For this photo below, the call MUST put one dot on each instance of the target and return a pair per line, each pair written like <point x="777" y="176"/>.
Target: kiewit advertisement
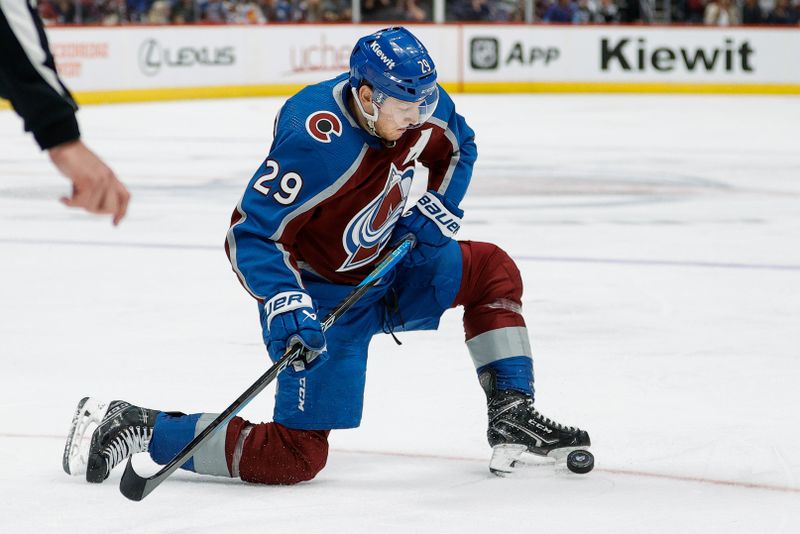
<point x="639" y="54"/>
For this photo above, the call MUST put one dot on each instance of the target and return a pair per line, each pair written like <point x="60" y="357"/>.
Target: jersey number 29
<point x="289" y="187"/>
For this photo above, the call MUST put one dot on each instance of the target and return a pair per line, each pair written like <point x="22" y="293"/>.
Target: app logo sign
<point x="484" y="53"/>
<point x="488" y="53"/>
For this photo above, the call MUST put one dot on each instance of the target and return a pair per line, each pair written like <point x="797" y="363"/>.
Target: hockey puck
<point x="580" y="461"/>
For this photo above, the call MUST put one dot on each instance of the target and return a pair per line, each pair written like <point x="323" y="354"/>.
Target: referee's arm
<point x="28" y="77"/>
<point x="29" y="80"/>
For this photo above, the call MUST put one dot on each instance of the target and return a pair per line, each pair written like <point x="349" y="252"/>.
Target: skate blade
<point x="505" y="458"/>
<point x="508" y="459"/>
<point x="88" y="415"/>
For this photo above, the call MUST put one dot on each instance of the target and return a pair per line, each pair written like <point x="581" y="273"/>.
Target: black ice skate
<point x="120" y="431"/>
<point x="516" y="428"/>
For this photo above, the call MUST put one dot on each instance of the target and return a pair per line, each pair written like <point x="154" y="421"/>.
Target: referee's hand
<point x="95" y="188"/>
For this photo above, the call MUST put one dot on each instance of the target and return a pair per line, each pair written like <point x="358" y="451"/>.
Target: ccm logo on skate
<point x="448" y="223"/>
<point x="286" y="301"/>
<point x="322" y="125"/>
<point x="539" y="426"/>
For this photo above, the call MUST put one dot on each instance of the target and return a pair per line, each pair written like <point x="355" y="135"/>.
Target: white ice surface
<point x="659" y="241"/>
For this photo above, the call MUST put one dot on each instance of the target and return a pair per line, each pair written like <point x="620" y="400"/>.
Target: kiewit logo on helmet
<point x="383" y="57"/>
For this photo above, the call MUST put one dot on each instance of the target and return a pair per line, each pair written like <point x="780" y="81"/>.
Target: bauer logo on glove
<point x="286" y="301"/>
<point x="432" y="207"/>
<point x="433" y="221"/>
<point x="292" y="319"/>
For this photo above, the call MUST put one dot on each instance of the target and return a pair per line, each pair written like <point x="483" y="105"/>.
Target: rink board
<point x="181" y="62"/>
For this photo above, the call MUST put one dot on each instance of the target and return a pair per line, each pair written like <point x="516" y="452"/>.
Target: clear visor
<point x="407" y="114"/>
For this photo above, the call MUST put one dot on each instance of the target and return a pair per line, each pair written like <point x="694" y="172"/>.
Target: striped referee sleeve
<point x="28" y="76"/>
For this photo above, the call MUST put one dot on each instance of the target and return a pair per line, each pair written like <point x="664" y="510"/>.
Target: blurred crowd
<point x="711" y="12"/>
<point x="111" y="12"/>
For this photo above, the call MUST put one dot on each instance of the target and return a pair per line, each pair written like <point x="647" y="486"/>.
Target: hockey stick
<point x="136" y="487"/>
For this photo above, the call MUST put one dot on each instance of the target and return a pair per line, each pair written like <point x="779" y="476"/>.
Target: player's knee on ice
<point x="270" y="453"/>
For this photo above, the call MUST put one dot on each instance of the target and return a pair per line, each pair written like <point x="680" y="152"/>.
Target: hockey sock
<point x="173" y="431"/>
<point x="514" y="373"/>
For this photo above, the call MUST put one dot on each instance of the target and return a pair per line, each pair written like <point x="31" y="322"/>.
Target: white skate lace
<point x="128" y="442"/>
<point x="548" y="421"/>
<point x="534" y="413"/>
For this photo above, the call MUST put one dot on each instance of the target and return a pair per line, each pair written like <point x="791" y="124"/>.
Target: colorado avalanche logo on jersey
<point x="368" y="232"/>
<point x="322" y="125"/>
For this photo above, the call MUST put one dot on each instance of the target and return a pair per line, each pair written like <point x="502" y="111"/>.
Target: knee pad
<point x="491" y="289"/>
<point x="270" y="453"/>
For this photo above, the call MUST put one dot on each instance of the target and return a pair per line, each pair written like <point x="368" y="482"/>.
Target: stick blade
<point x="133" y="486"/>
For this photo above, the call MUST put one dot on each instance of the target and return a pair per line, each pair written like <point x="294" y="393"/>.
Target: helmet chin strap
<point x="370" y="118"/>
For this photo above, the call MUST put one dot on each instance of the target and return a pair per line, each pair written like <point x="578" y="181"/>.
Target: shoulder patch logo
<point x="323" y="125"/>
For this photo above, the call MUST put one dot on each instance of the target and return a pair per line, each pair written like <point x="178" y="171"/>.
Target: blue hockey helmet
<point x="395" y="64"/>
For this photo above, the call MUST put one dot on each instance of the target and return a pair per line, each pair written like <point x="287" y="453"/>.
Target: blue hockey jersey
<point x="328" y="195"/>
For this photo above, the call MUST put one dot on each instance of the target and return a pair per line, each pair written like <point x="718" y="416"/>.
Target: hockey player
<point x="316" y="216"/>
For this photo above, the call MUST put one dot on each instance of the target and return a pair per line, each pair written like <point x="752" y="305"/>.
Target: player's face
<point x="395" y="117"/>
